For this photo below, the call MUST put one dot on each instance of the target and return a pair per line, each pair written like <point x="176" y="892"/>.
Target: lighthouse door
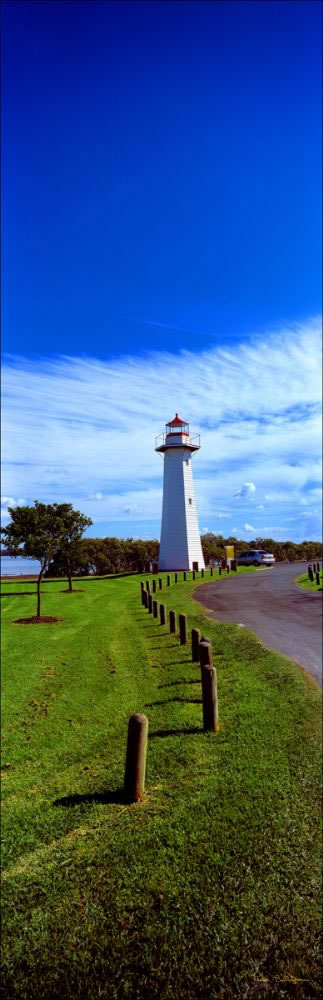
<point x="195" y="566"/>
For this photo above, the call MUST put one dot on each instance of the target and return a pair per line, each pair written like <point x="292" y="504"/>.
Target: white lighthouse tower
<point x="180" y="542"/>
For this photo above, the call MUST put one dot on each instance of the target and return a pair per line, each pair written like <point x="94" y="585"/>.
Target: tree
<point x="69" y="551"/>
<point x="212" y="546"/>
<point x="38" y="532"/>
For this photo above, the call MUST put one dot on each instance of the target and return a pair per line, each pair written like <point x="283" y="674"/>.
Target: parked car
<point x="256" y="557"/>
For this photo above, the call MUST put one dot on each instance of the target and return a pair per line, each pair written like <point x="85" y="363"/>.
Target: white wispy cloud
<point x="246" y="490"/>
<point x="7" y="502"/>
<point x="83" y="430"/>
<point x="11" y="502"/>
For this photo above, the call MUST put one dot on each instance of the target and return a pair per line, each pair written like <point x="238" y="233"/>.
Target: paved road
<point x="284" y="616"/>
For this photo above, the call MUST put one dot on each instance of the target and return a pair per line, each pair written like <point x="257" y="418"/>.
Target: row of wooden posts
<point x="194" y="575"/>
<point x="311" y="570"/>
<point x="138" y="723"/>
<point x="135" y="771"/>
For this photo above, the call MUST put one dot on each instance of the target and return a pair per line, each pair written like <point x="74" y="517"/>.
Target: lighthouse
<point x="180" y="542"/>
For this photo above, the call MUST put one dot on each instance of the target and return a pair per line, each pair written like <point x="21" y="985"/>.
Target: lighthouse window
<point x="187" y="461"/>
<point x="190" y="500"/>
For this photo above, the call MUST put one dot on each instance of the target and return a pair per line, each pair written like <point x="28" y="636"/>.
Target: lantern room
<point x="177" y="426"/>
<point x="177" y="435"/>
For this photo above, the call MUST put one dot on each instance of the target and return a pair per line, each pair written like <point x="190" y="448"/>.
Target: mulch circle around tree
<point x="37" y="620"/>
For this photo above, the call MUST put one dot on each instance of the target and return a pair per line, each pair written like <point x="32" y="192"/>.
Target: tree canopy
<point x="40" y="531"/>
<point x="75" y="524"/>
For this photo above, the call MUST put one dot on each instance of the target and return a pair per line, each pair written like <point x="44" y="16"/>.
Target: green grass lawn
<point x="304" y="582"/>
<point x="209" y="888"/>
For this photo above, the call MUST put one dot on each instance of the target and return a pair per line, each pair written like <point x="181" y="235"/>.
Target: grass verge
<point x="210" y="887"/>
<point x="306" y="584"/>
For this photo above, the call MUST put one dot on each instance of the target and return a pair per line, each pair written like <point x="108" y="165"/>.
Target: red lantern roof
<point x="177" y="421"/>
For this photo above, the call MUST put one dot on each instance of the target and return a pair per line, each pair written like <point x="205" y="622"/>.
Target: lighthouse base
<point x="173" y="567"/>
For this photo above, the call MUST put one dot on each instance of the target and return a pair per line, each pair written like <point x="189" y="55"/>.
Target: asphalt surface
<point x="284" y="616"/>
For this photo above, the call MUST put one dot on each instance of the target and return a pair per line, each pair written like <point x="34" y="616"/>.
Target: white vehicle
<point x="256" y="557"/>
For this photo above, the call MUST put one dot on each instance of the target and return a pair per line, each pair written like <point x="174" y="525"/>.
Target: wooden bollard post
<point x="154" y="586"/>
<point x="160" y="584"/>
<point x="162" y="614"/>
<point x="310" y="574"/>
<point x="211" y="570"/>
<point x="184" y="576"/>
<point x="194" y="574"/>
<point x="209" y="696"/>
<point x="172" y="621"/>
<point x="220" y="570"/>
<point x="205" y="654"/>
<point x="168" y="581"/>
<point x="202" y="572"/>
<point x="234" y="565"/>
<point x="134" y="780"/>
<point x="317" y="578"/>
<point x="182" y="630"/>
<point x="142" y="586"/>
<point x="228" y="569"/>
<point x="175" y="577"/>
<point x="144" y="598"/>
<point x="196" y="638"/>
<point x="150" y="604"/>
<point x="148" y="586"/>
<point x="155" y="609"/>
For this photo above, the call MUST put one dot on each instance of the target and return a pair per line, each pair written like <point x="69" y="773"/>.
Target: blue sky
<point x="161" y="207"/>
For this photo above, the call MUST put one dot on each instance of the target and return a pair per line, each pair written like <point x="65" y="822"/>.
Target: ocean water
<point x="19" y="566"/>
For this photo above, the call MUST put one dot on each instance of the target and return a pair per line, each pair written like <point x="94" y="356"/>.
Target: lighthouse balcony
<point x="182" y="440"/>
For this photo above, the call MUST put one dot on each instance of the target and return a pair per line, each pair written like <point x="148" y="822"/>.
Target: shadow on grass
<point x="163" y="635"/>
<point x="169" y="701"/>
<point x="22" y="593"/>
<point x="174" y="645"/>
<point x="105" y="798"/>
<point x="148" y="621"/>
<point x="174" y="663"/>
<point x="181" y="682"/>
<point x="161" y="733"/>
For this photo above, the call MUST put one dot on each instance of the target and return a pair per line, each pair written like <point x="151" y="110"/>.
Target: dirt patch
<point x="76" y="590"/>
<point x="37" y="620"/>
<point x="25" y="578"/>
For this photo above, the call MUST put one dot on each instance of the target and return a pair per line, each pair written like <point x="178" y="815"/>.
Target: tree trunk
<point x="69" y="574"/>
<point x="38" y="590"/>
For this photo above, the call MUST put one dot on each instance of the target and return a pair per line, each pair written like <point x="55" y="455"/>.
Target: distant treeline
<point x="213" y="546"/>
<point x="102" y="556"/>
